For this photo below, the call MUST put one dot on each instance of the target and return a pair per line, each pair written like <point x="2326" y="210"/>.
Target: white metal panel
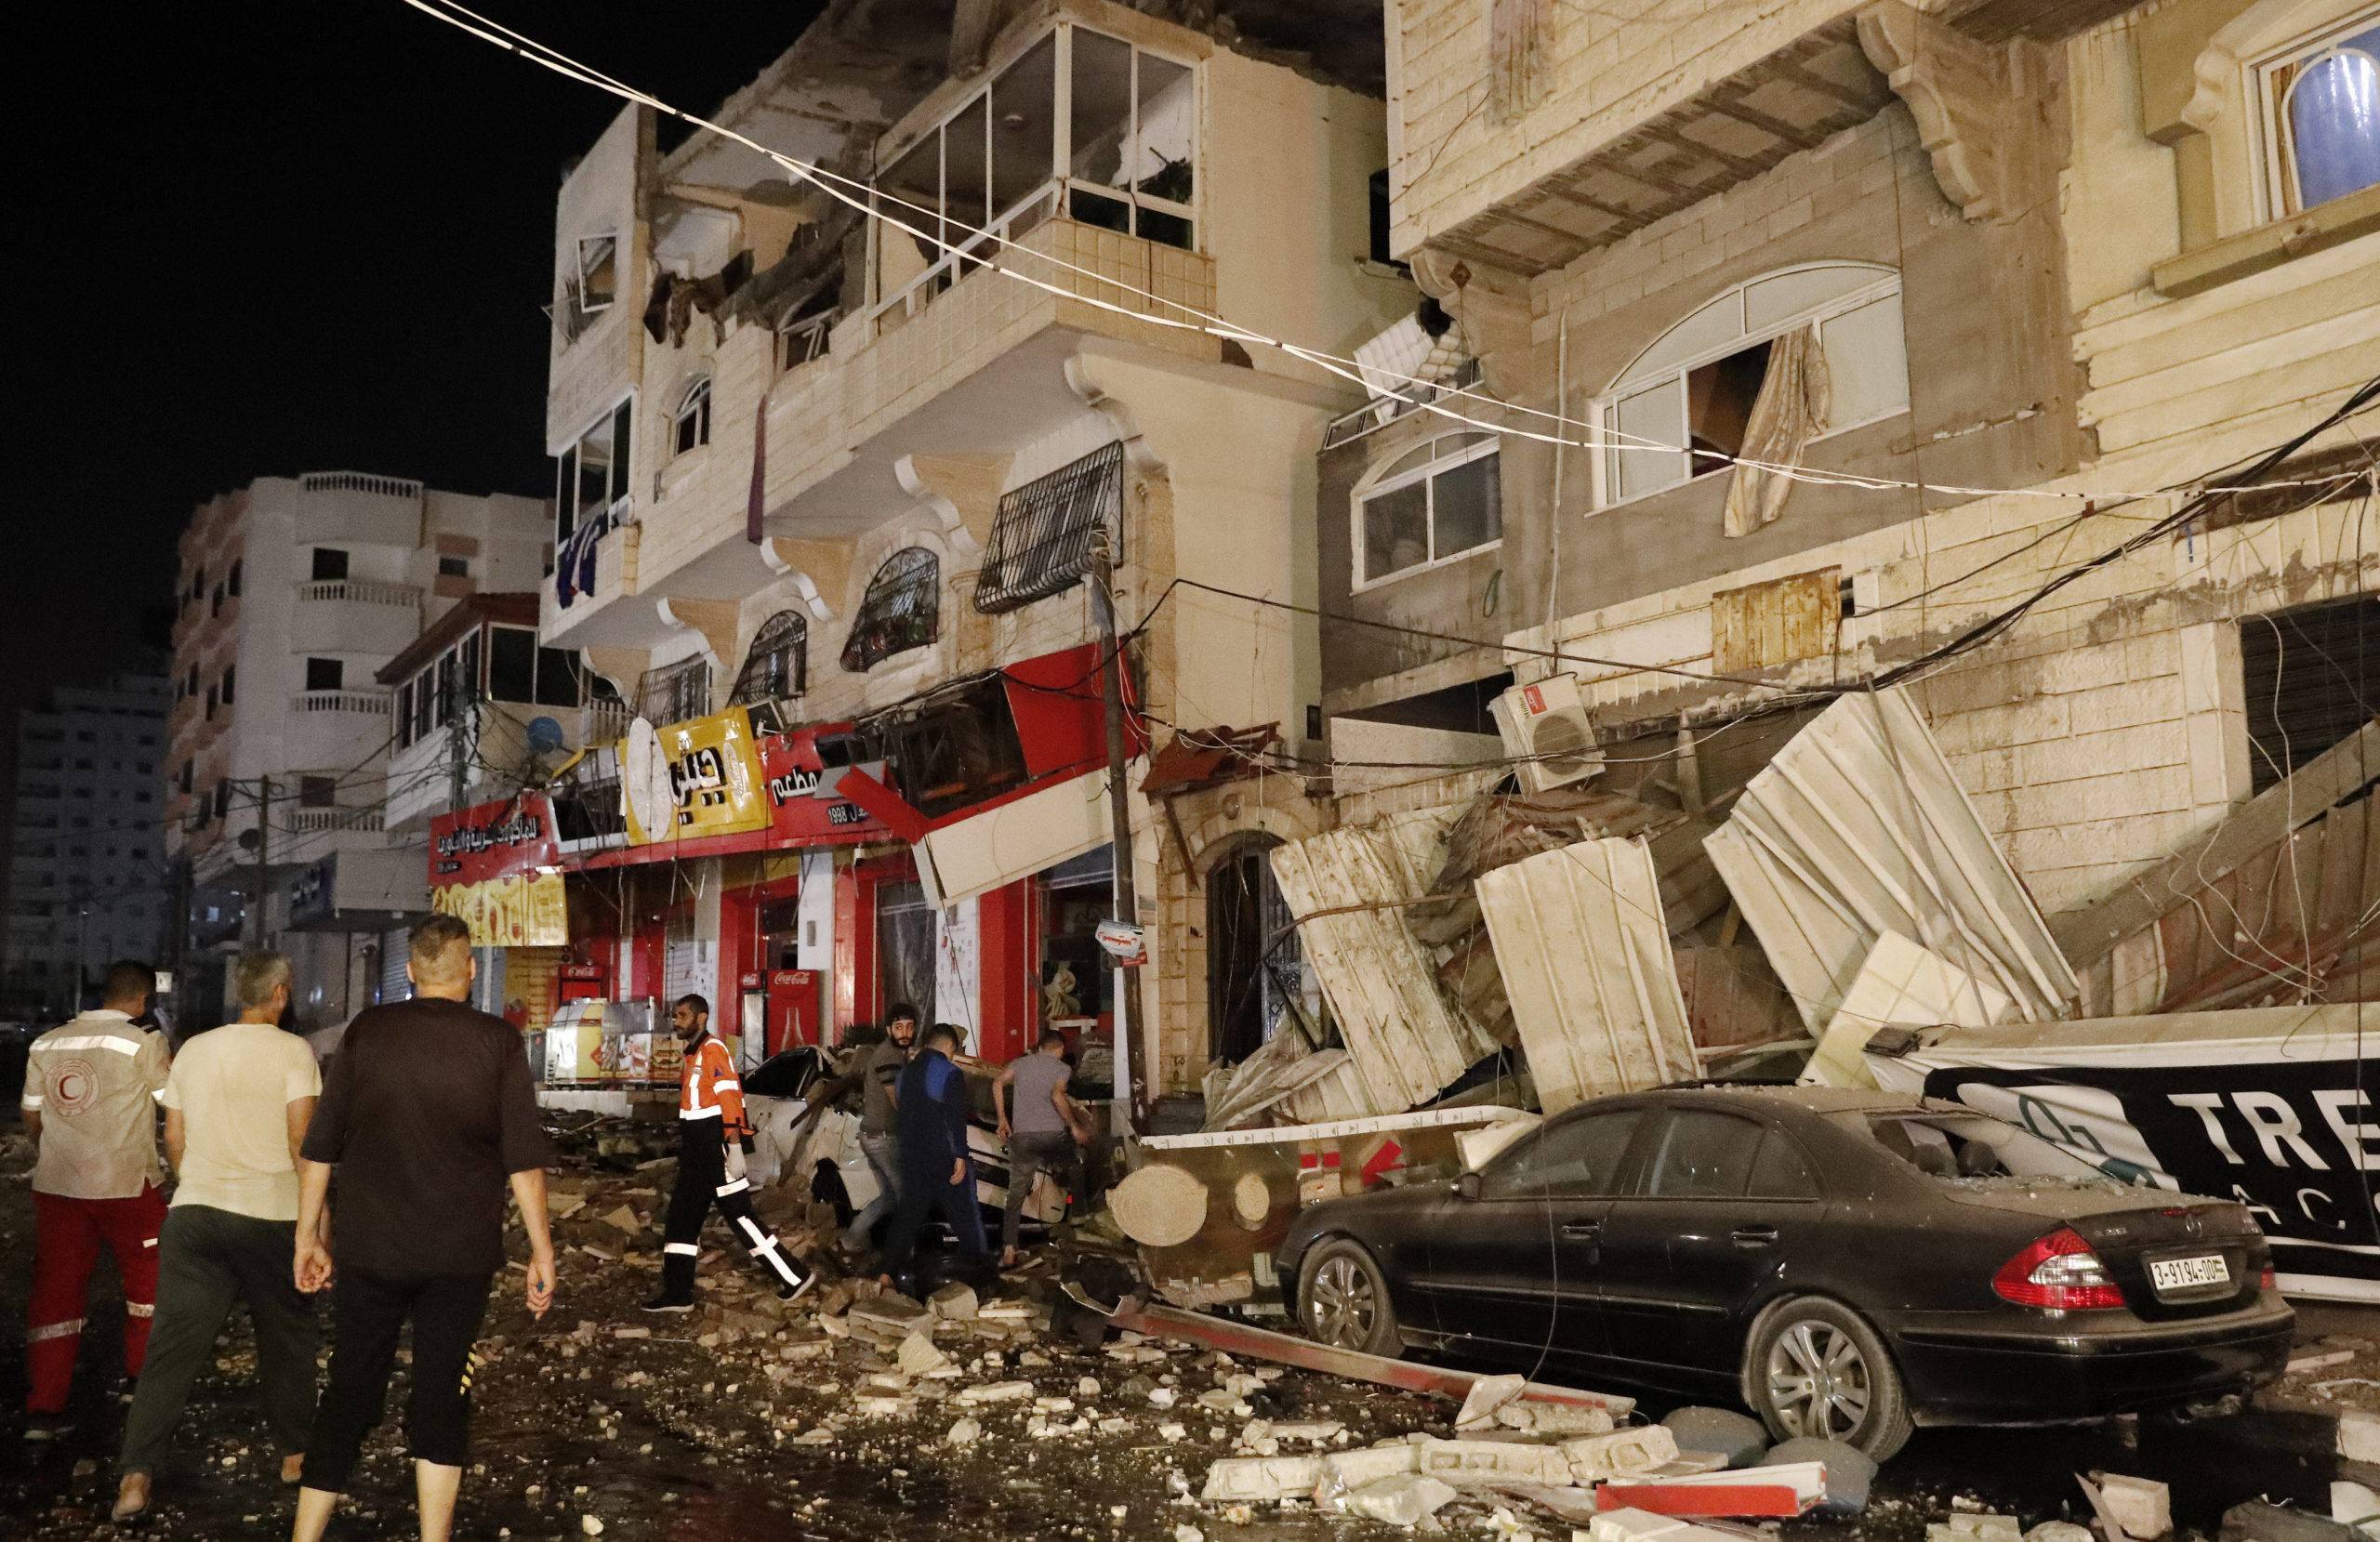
<point x="1900" y="986"/>
<point x="1404" y="1044"/>
<point x="959" y="970"/>
<point x="1858" y="828"/>
<point x="1584" y="951"/>
<point x="814" y="913"/>
<point x="1015" y="840"/>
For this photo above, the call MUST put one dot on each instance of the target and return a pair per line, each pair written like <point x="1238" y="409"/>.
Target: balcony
<point x="333" y="728"/>
<point x="310" y="822"/>
<point x="419" y="780"/>
<point x="350" y="615"/>
<point x="350" y="507"/>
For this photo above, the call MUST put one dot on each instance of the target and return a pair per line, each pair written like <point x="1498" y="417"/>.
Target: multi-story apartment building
<point x="842" y="476"/>
<point x="1809" y="342"/>
<point x="85" y="880"/>
<point x="293" y="594"/>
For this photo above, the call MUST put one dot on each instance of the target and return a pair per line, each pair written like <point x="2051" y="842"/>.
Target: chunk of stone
<point x="918" y="1356"/>
<point x="996" y="1392"/>
<point x="1850" y="1472"/>
<point x="1488" y="1395"/>
<point x="1622" y="1454"/>
<point x="955" y="1302"/>
<point x="1723" y="1431"/>
<point x="2140" y="1505"/>
<point x="1406" y="1499"/>
<point x="1554" y="1419"/>
<point x="1353" y="1470"/>
<point x="1977" y="1528"/>
<point x="964" y="1432"/>
<point x="1267" y="1478"/>
<point x="1485" y="1464"/>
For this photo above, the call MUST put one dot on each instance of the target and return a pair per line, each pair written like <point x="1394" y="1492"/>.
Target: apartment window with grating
<point x="778" y="667"/>
<point x="1042" y="536"/>
<point x="2311" y="677"/>
<point x="901" y="609"/>
<point x="676" y="692"/>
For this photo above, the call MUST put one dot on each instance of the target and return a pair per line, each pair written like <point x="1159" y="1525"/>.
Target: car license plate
<point x="2189" y="1273"/>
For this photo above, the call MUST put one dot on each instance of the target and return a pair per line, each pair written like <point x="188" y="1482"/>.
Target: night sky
<point x="261" y="239"/>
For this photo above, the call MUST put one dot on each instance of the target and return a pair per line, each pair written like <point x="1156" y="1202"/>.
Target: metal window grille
<point x="675" y="692"/>
<point x="1042" y="536"/>
<point x="2311" y="677"/>
<point x="778" y="667"/>
<point x="901" y="609"/>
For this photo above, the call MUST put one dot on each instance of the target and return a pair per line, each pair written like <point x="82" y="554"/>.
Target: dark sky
<point x="263" y="238"/>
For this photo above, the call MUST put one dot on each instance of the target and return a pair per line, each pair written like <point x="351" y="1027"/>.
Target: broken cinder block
<point x="1485" y="1464"/>
<point x="1406" y="1499"/>
<point x="1267" y="1478"/>
<point x="1622" y="1454"/>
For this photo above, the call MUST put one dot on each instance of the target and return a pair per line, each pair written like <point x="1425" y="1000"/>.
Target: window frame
<point x="1425" y="473"/>
<point x="1600" y="422"/>
<point x="2271" y="143"/>
<point x="960" y="247"/>
<point x="567" y="522"/>
<point x="931" y="570"/>
<point x="693" y="402"/>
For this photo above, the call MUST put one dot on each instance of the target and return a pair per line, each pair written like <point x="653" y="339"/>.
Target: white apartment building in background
<point x="85" y="879"/>
<point x="293" y="594"/>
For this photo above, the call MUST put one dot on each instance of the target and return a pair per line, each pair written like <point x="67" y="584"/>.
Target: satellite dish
<point x="546" y="736"/>
<point x="644" y="780"/>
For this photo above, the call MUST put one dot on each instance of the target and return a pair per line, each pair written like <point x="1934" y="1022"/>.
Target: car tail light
<point x="2267" y="1280"/>
<point x="2058" y="1270"/>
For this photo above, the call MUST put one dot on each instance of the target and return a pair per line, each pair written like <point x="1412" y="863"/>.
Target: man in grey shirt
<point x="1044" y="1130"/>
<point x="879" y="1113"/>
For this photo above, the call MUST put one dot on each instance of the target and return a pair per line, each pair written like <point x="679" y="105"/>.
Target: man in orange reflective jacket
<point x="714" y="1138"/>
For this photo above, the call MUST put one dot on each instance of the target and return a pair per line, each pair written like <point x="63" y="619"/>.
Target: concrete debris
<point x="954" y="1303"/>
<point x="1635" y="1525"/>
<point x="1487" y="1395"/>
<point x="1622" y="1454"/>
<point x="1554" y="1418"/>
<point x="1267" y="1478"/>
<point x="2137" y="1509"/>
<point x="965" y="1432"/>
<point x="2060" y="1530"/>
<point x="1780" y="1492"/>
<point x="1738" y="1437"/>
<point x="1403" y="1500"/>
<point x="996" y="1392"/>
<point x="1850" y="1472"/>
<point x="2257" y="1520"/>
<point x="918" y="1357"/>
<point x="1348" y="1470"/>
<point x="624" y="1219"/>
<point x="1485" y="1464"/>
<point x="1977" y="1528"/>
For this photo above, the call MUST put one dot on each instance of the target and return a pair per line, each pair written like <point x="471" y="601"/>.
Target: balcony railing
<point x="317" y="821"/>
<point x="375" y="704"/>
<point x="359" y="481"/>
<point x="359" y="591"/>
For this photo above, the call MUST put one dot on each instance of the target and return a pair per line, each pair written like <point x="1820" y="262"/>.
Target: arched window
<point x="1681" y="410"/>
<point x="2324" y="112"/>
<point x="1437" y="502"/>
<point x="778" y="667"/>
<point x="901" y="611"/>
<point x="692" y="419"/>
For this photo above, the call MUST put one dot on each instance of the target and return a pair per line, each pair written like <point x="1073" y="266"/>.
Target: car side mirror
<point x="1467" y="1186"/>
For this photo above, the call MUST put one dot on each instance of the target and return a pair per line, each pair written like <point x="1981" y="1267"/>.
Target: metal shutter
<point x="396" y="946"/>
<point x="2311" y="677"/>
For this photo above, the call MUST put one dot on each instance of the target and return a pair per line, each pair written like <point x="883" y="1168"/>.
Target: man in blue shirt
<point x="936" y="1177"/>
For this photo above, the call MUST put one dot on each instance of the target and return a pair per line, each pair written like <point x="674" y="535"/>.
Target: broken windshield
<point x="1973" y="1150"/>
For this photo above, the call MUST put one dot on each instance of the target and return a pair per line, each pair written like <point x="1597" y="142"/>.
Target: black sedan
<point x="1849" y="1264"/>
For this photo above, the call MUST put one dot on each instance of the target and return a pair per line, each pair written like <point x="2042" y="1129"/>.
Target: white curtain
<point x="1792" y="408"/>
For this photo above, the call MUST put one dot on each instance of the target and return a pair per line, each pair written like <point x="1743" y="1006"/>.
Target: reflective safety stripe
<point x="726" y="1084"/>
<point x="735" y="1188"/>
<point x="140" y="1309"/>
<point x="766" y="1248"/>
<point x="54" y="1330"/>
<point x="90" y="1041"/>
<point x="31" y="1099"/>
<point x="148" y="1242"/>
<point x="698" y="1113"/>
<point x="689" y="1249"/>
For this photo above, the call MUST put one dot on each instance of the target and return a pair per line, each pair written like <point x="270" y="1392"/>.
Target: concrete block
<point x="1405" y="1500"/>
<point x="1261" y="1478"/>
<point x="996" y="1392"/>
<point x="955" y="1302"/>
<point x="1486" y="1395"/>
<point x="1355" y="1468"/>
<point x="2360" y="1437"/>
<point x="918" y="1356"/>
<point x="1554" y="1419"/>
<point x="2140" y="1505"/>
<point x="1977" y="1528"/>
<point x="1739" y="1438"/>
<point x="1485" y="1464"/>
<point x="1622" y="1454"/>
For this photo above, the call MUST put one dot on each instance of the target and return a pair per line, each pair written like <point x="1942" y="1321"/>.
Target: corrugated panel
<point x="396" y="951"/>
<point x="1857" y="828"/>
<point x="1403" y="1045"/>
<point x="1585" y="954"/>
<point x="1900" y="986"/>
<point x="1762" y="626"/>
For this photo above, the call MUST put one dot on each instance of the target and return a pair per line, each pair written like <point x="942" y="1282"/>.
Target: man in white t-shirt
<point x="236" y="1109"/>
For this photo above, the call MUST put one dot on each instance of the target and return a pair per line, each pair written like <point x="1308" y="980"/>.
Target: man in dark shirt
<point x="426" y="1114"/>
<point x="936" y="1177"/>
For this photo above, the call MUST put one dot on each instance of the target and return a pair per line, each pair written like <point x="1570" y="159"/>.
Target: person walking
<point x="427" y="1116"/>
<point x="713" y="1140"/>
<point x="879" y="1120"/>
<point x="237" y="1103"/>
<point x="937" y="1178"/>
<point x="1044" y="1132"/>
<point x="90" y="1103"/>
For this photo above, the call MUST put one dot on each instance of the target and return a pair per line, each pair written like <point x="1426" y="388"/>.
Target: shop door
<point x="905" y="951"/>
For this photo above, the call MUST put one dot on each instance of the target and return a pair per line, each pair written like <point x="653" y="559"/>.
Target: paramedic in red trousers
<point x="713" y="1139"/>
<point x="90" y="1100"/>
<point x="428" y="1117"/>
<point x="937" y="1178"/>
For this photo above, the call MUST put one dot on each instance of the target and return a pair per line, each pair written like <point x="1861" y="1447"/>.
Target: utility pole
<point x="264" y="853"/>
<point x="465" y="701"/>
<point x="1127" y="906"/>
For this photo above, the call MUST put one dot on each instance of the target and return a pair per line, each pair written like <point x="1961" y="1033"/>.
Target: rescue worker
<point x="714" y="1137"/>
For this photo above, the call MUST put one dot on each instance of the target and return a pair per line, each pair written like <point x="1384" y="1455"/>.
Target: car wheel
<point x="1343" y="1299"/>
<point x="1816" y="1368"/>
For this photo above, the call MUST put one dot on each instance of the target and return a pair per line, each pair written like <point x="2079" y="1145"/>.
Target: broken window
<point x="1253" y="969"/>
<point x="592" y="477"/>
<point x="1042" y="536"/>
<point x="675" y="692"/>
<point x="1132" y="126"/>
<point x="901" y="609"/>
<point x="591" y="285"/>
<point x="2311" y="677"/>
<point x="803" y="334"/>
<point x="957" y="748"/>
<point x="691" y="426"/>
<point x="1685" y="408"/>
<point x="777" y="666"/>
<point x="2321" y="105"/>
<point x="1431" y="504"/>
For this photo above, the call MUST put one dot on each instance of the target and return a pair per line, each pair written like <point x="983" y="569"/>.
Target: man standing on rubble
<point x="877" y="1122"/>
<point x="714" y="1138"/>
<point x="427" y="1114"/>
<point x="936" y="1177"/>
<point x="1043" y="1127"/>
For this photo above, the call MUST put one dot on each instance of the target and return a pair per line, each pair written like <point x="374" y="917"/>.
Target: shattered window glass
<point x="1975" y="1149"/>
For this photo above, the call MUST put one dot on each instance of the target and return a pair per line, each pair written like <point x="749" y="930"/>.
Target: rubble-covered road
<point x="837" y="1420"/>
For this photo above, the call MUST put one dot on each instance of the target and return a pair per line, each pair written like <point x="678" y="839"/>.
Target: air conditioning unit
<point x="1550" y="732"/>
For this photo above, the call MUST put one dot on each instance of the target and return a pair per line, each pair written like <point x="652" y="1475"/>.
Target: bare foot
<point x="292" y="1467"/>
<point x="131" y="1497"/>
<point x="1011" y="1258"/>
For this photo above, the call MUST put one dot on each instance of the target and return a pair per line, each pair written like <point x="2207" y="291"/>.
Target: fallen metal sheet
<point x="1857" y="828"/>
<point x="1900" y="986"/>
<point x="1015" y="840"/>
<point x="1347" y="888"/>
<point x="1283" y="1066"/>
<point x="2268" y="904"/>
<point x="1585" y="954"/>
<point x="2265" y="1107"/>
<point x="1237" y="1338"/>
